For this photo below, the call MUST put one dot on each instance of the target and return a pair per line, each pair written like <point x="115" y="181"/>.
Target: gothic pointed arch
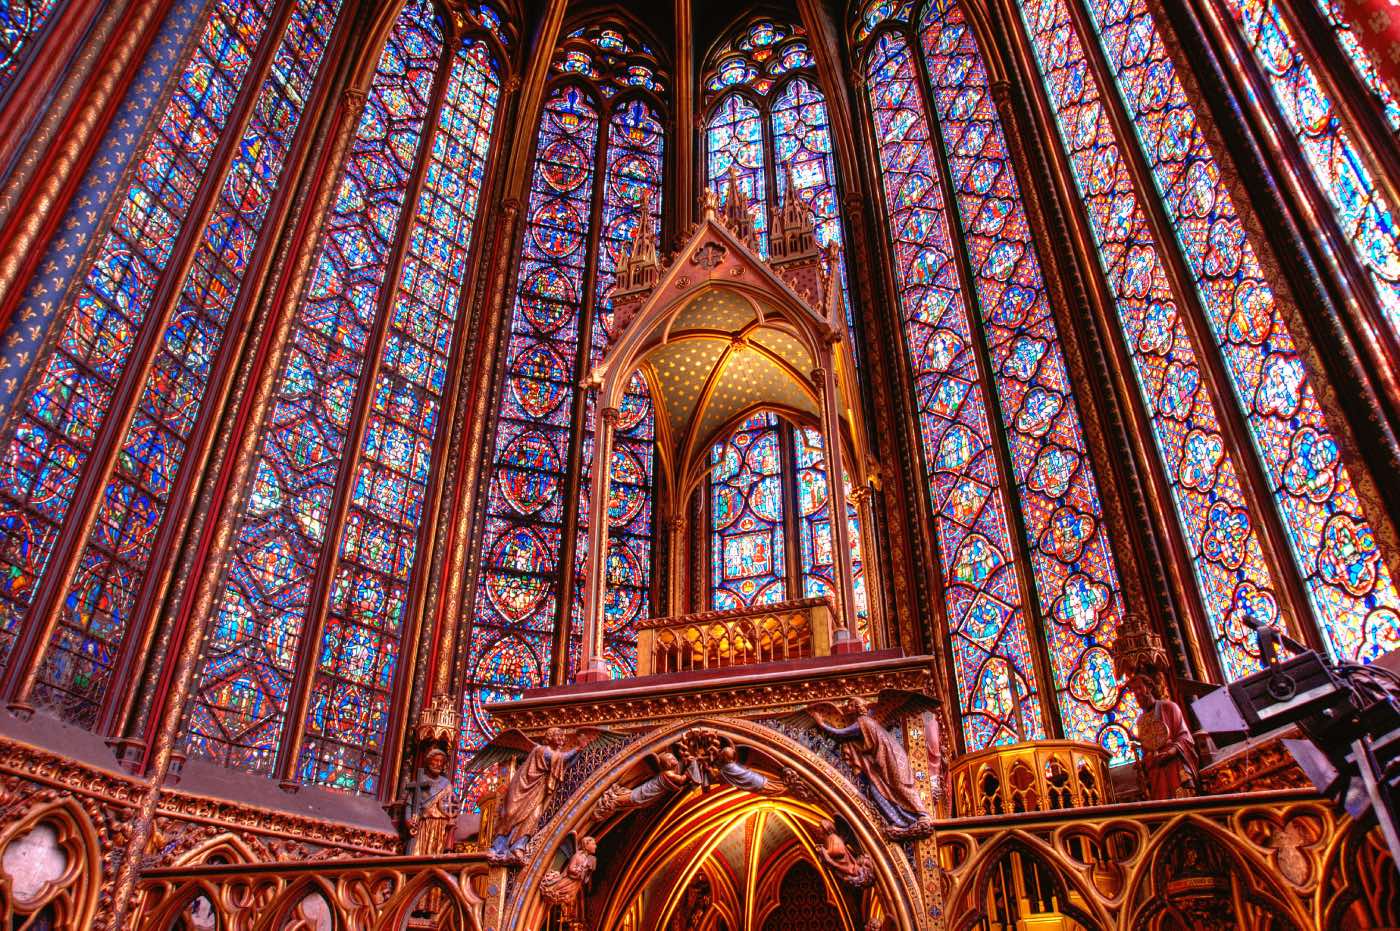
<point x="822" y="790"/>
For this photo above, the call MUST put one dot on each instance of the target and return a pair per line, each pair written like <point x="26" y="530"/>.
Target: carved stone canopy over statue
<point x="880" y="763"/>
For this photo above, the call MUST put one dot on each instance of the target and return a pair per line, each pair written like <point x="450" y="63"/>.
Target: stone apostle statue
<point x="1169" y="766"/>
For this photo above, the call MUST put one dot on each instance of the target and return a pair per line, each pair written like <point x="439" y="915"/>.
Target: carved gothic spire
<point x="738" y="212"/>
<point x="638" y="267"/>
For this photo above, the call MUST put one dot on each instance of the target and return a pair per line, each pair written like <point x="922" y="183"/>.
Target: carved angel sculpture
<point x="854" y="869"/>
<point x="711" y="758"/>
<point x="670" y="778"/>
<point x="881" y="765"/>
<point x="565" y="887"/>
<point x="531" y="786"/>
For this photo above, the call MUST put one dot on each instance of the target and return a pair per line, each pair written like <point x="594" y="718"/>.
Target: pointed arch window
<point x="770" y="519"/>
<point x="300" y="671"/>
<point x="768" y="122"/>
<point x="984" y="349"/>
<point x="95" y="448"/>
<point x="1328" y="143"/>
<point x="599" y="162"/>
<point x="1333" y="547"/>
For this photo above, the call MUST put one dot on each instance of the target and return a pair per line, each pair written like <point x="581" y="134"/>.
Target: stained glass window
<point x="1075" y="575"/>
<point x="1362" y="212"/>
<point x="763" y="95"/>
<point x="734" y="140"/>
<point x="53" y="435"/>
<point x="600" y="117"/>
<point x="1349" y="584"/>
<point x="997" y="688"/>
<point x="814" y="528"/>
<point x="1217" y="521"/>
<point x="1345" y="31"/>
<point x="21" y="22"/>
<point x="378" y="548"/>
<point x="289" y="536"/>
<point x="633" y="172"/>
<point x="748" y="552"/>
<point x="513" y="624"/>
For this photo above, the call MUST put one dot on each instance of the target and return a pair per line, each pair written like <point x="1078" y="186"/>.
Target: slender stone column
<point x="591" y="667"/>
<point x="842" y="640"/>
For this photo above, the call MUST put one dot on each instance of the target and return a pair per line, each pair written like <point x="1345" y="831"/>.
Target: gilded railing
<point x="767" y="633"/>
<point x="448" y="893"/>
<point x="1269" y="860"/>
<point x="1046" y="775"/>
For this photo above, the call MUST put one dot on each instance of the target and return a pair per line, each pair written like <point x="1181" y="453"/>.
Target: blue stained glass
<point x="251" y="649"/>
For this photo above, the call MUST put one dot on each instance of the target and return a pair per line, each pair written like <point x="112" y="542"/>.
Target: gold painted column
<point x="679" y="529"/>
<point x="842" y="640"/>
<point x="591" y="667"/>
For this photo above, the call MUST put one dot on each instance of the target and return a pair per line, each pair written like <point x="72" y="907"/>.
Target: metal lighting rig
<point x="1349" y="715"/>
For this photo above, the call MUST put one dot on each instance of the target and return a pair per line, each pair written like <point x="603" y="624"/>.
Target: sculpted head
<point x="435" y="762"/>
<point x="857" y="706"/>
<point x="1143" y="688"/>
<point x="554" y="738"/>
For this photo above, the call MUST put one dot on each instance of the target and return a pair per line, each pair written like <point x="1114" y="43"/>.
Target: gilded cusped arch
<point x="813" y="788"/>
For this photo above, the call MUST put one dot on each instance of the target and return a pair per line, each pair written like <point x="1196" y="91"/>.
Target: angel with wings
<point x="532" y="784"/>
<point x="879" y="761"/>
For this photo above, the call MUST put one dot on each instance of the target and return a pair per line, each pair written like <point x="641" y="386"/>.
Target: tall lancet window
<point x="1307" y="110"/>
<point x="599" y="162"/>
<point x="300" y="669"/>
<point x="767" y="122"/>
<point x="1022" y="542"/>
<point x="1229" y="320"/>
<point x="95" y="449"/>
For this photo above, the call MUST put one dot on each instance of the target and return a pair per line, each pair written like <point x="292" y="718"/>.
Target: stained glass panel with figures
<point x="352" y="693"/>
<point x="734" y="141"/>
<point x="1217" y="520"/>
<point x="998" y="694"/>
<point x="1076" y="579"/>
<point x="21" y="24"/>
<point x="1364" y="215"/>
<point x="53" y="435"/>
<point x="1349" y="584"/>
<point x="633" y="173"/>
<point x="512" y="633"/>
<point x="252" y="646"/>
<point x="814" y="530"/>
<point x="747" y="542"/>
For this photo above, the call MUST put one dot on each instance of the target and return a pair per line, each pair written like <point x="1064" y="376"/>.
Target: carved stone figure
<point x="853" y="869"/>
<point x="431" y="817"/>
<point x="882" y="767"/>
<point x="710" y="758"/>
<point x="566" y="887"/>
<point x="695" y="904"/>
<point x="670" y="778"/>
<point x="1169" y="767"/>
<point x="530" y="787"/>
